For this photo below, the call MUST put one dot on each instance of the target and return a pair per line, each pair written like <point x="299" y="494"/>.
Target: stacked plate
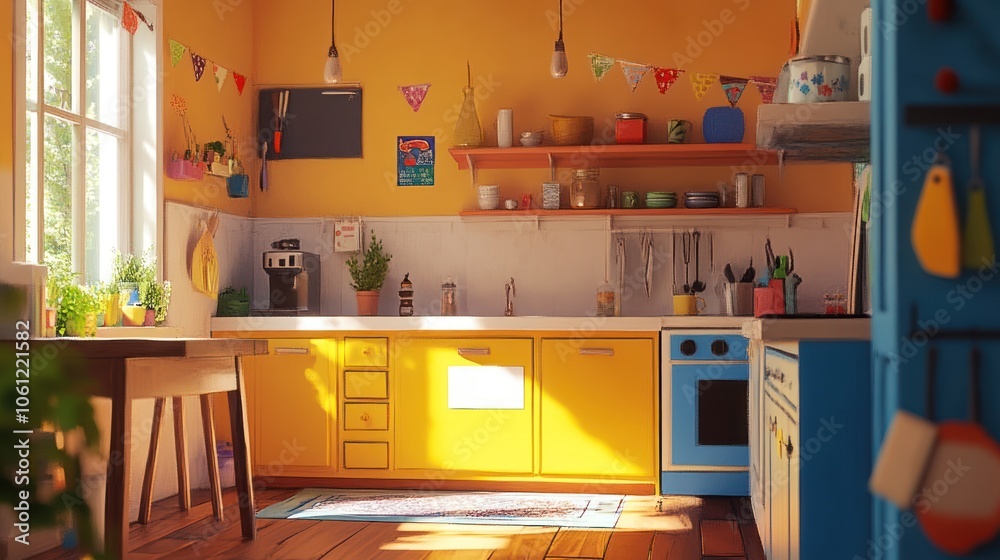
<point x="661" y="200"/>
<point x="705" y="199"/>
<point x="489" y="197"/>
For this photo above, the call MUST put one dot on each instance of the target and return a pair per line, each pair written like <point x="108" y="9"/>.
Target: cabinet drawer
<point x="366" y="352"/>
<point x="366" y="416"/>
<point x="366" y="385"/>
<point x="366" y="455"/>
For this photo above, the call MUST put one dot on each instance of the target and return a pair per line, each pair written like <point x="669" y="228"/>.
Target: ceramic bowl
<point x="531" y="139"/>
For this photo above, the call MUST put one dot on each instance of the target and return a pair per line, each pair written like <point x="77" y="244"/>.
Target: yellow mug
<point x="688" y="305"/>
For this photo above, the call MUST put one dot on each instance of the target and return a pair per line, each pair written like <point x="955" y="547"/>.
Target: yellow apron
<point x="205" y="266"/>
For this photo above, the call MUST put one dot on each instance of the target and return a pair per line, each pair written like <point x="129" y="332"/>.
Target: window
<point x="86" y="89"/>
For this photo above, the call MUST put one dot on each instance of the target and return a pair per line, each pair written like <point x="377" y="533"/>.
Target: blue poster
<point x="415" y="161"/>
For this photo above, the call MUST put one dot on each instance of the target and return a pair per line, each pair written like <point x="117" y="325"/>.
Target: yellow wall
<point x="6" y="136"/>
<point x="509" y="45"/>
<point x="221" y="32"/>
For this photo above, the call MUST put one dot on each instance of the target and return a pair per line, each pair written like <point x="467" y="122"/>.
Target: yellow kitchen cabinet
<point x="295" y="408"/>
<point x="366" y="352"/>
<point x="597" y="407"/>
<point x="465" y="405"/>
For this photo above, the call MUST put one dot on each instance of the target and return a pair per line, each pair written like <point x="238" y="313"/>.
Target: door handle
<point x="288" y="350"/>
<point x="597" y="351"/>
<point x="474" y="351"/>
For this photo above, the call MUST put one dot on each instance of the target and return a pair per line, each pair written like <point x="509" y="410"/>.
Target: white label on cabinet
<point x="486" y="387"/>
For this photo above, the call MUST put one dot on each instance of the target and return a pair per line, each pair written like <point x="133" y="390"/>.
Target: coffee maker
<point x="293" y="278"/>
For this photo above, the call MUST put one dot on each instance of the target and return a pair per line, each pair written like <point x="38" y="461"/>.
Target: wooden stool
<point x="183" y="482"/>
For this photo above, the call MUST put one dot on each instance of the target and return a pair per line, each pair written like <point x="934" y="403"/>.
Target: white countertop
<point x="580" y="324"/>
<point x="808" y="329"/>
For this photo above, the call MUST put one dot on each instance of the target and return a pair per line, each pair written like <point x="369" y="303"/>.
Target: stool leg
<point x="180" y="441"/>
<point x="145" y="501"/>
<point x="208" y="426"/>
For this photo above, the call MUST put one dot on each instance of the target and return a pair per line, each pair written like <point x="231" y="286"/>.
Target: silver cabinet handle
<point x="287" y="350"/>
<point x="474" y="351"/>
<point x="597" y="351"/>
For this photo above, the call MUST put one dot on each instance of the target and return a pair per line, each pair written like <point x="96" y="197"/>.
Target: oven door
<point x="708" y="415"/>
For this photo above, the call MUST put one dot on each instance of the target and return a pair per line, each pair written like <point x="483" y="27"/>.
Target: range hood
<point x="835" y="131"/>
<point x="832" y="131"/>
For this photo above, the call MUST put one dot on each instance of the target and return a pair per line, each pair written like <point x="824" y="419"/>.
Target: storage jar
<point x="585" y="191"/>
<point x="630" y="128"/>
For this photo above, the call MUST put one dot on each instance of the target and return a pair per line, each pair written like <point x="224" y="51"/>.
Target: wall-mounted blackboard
<point x="321" y="122"/>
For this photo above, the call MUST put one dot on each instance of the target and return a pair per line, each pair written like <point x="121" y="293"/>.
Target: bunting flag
<point x="766" y="86"/>
<point x="129" y="20"/>
<point x="198" y="62"/>
<point x="220" y="75"/>
<point x="177" y="51"/>
<point x="600" y="64"/>
<point x="143" y="19"/>
<point x="701" y="82"/>
<point x="733" y="88"/>
<point x="633" y="72"/>
<point x="666" y="78"/>
<point x="415" y="94"/>
<point x="240" y="80"/>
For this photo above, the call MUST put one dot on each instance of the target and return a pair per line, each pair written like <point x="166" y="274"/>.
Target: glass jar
<point x="606" y="300"/>
<point x="449" y="307"/>
<point x="585" y="191"/>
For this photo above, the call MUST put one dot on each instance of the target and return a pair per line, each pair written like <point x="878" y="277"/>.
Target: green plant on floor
<point x="156" y="296"/>
<point x="369" y="274"/>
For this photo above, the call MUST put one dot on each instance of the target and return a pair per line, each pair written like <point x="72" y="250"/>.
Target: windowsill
<point x="138" y="332"/>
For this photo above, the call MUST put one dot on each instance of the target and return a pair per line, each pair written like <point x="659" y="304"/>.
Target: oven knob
<point x="720" y="347"/>
<point x="688" y="347"/>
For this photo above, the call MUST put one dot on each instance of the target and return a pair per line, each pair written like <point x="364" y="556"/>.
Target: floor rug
<point x="484" y="508"/>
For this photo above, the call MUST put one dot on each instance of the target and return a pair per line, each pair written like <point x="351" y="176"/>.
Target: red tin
<point x="630" y="128"/>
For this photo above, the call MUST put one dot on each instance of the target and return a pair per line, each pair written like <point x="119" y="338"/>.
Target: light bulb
<point x="332" y="72"/>
<point x="560" y="65"/>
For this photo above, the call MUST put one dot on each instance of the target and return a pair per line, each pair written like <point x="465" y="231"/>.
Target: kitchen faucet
<point x="511" y="292"/>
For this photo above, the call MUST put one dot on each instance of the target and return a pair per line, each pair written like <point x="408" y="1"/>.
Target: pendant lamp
<point x="559" y="65"/>
<point x="332" y="72"/>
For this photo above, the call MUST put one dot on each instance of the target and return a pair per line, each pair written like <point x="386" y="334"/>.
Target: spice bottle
<point x="606" y="300"/>
<point x="448" y="306"/>
<point x="406" y="297"/>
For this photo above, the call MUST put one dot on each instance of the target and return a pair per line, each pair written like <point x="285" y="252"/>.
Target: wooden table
<point x="131" y="368"/>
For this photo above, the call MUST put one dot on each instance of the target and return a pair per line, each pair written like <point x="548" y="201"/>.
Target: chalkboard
<point x="321" y="122"/>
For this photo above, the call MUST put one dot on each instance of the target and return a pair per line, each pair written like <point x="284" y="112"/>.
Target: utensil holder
<point x="744" y="299"/>
<point x="769" y="300"/>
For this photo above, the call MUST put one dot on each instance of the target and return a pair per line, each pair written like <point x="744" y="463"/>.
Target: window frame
<point x="140" y="200"/>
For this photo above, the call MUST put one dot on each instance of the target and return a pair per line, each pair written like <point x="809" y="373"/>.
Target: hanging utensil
<point x="977" y="243"/>
<point x="698" y="285"/>
<point x="263" y="168"/>
<point x="647" y="257"/>
<point x="686" y="247"/>
<point x="934" y="233"/>
<point x="620" y="244"/>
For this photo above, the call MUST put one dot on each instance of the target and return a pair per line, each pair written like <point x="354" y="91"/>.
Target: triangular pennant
<point x="240" y="80"/>
<point x="198" y="62"/>
<point x="701" y="82"/>
<point x="143" y="19"/>
<point x="177" y="51"/>
<point x="633" y="72"/>
<point x="766" y="86"/>
<point x="220" y="75"/>
<point x="129" y="20"/>
<point x="415" y="94"/>
<point x="666" y="77"/>
<point x="600" y="64"/>
<point x="733" y="88"/>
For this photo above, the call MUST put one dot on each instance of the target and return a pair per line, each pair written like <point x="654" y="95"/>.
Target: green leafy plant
<point x="369" y="274"/>
<point x="218" y="147"/>
<point x="132" y="269"/>
<point x="156" y="296"/>
<point x="76" y="302"/>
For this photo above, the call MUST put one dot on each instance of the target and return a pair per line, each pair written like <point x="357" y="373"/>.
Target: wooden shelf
<point x="614" y="155"/>
<point x="633" y="212"/>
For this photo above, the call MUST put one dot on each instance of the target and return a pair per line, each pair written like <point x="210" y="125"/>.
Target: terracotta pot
<point x="133" y="315"/>
<point x="367" y="303"/>
<point x="150" y="319"/>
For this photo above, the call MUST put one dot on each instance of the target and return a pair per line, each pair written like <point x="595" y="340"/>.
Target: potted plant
<point x="131" y="271"/>
<point x="108" y="294"/>
<point x="368" y="275"/>
<point x="155" y="297"/>
<point x="214" y="151"/>
<point x="77" y="313"/>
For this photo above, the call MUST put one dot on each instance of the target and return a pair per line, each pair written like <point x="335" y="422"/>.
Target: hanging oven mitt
<point x="205" y="262"/>
<point x="935" y="235"/>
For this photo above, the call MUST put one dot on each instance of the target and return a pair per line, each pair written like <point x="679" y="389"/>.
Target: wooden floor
<point x="677" y="528"/>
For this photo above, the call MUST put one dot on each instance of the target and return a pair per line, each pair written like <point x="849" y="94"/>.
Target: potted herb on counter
<point x="368" y="275"/>
<point x="77" y="312"/>
<point x="155" y="297"/>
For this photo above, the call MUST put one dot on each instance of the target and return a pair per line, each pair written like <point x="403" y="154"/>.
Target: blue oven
<point x="705" y="416"/>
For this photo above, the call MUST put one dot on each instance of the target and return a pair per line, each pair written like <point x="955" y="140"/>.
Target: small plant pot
<point x="131" y="294"/>
<point x="238" y="186"/>
<point x="367" y="303"/>
<point x="113" y="311"/>
<point x="149" y="320"/>
<point x="76" y="326"/>
<point x="90" y="325"/>
<point x="133" y="315"/>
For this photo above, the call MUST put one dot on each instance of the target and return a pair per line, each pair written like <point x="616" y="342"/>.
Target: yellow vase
<point x="112" y="311"/>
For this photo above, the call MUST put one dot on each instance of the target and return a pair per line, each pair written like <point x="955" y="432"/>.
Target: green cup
<point x="678" y="131"/>
<point x="630" y="199"/>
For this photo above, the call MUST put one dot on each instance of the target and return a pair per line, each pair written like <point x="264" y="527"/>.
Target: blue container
<point x="238" y="186"/>
<point x="723" y="125"/>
